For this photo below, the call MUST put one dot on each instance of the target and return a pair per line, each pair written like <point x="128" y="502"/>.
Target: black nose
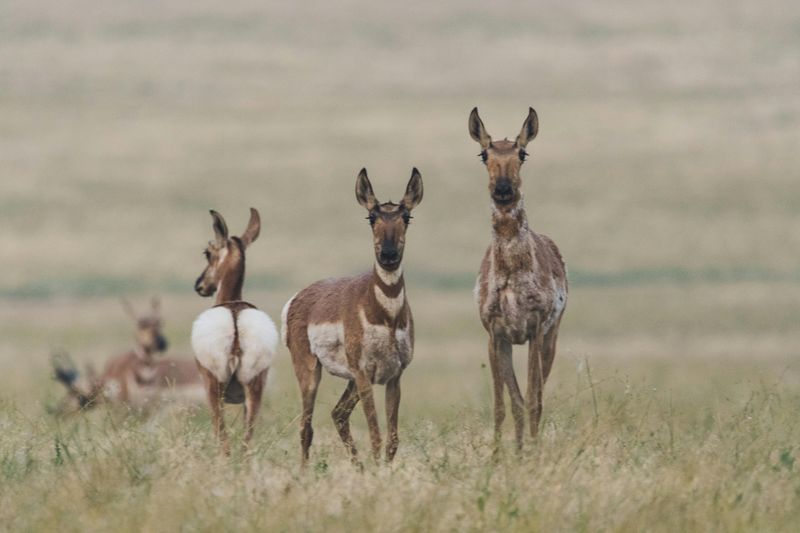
<point x="389" y="254"/>
<point x="503" y="187"/>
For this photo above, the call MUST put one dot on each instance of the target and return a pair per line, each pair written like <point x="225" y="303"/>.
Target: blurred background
<point x="666" y="169"/>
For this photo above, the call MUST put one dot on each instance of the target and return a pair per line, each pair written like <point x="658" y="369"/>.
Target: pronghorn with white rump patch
<point x="358" y="328"/>
<point x="522" y="286"/>
<point x="234" y="343"/>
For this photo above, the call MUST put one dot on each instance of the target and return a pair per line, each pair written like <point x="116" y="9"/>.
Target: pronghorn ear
<point x="220" y="228"/>
<point x="253" y="228"/>
<point x="413" y="194"/>
<point x="478" y="131"/>
<point x="364" y="193"/>
<point x="529" y="129"/>
<point x="155" y="305"/>
<point x="128" y="308"/>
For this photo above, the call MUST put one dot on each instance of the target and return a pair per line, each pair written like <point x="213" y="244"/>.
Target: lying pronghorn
<point x="359" y="328"/>
<point x="522" y="286"/>
<point x="136" y="377"/>
<point x="234" y="342"/>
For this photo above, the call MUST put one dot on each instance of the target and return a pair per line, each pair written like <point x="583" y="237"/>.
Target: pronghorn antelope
<point x="522" y="285"/>
<point x="233" y="342"/>
<point x="136" y="377"/>
<point x="358" y="328"/>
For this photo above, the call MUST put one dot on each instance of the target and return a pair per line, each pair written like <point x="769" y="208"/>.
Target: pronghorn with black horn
<point x="358" y="328"/>
<point x="522" y="286"/>
<point x="234" y="343"/>
<point x="137" y="377"/>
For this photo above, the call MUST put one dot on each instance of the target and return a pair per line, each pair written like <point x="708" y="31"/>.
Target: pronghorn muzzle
<point x="503" y="192"/>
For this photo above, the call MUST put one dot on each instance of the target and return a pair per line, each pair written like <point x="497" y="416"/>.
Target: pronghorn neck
<point x="230" y="285"/>
<point x="386" y="291"/>
<point x="509" y="225"/>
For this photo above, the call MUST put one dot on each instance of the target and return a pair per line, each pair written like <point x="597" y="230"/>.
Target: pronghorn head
<point x="225" y="255"/>
<point x="503" y="159"/>
<point x="149" y="335"/>
<point x="389" y="221"/>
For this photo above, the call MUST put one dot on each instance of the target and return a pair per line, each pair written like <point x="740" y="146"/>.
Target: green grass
<point x="665" y="169"/>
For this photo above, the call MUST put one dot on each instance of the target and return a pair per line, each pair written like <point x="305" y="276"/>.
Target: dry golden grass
<point x="666" y="169"/>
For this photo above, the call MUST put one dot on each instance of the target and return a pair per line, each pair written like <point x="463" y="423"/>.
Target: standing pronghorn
<point x="522" y="286"/>
<point x="234" y="342"/>
<point x="358" y="328"/>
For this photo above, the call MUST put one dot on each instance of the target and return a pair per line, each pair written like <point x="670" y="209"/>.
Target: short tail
<point x="284" y="319"/>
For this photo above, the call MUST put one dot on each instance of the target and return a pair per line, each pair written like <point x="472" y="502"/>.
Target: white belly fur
<point x="327" y="343"/>
<point x="212" y="341"/>
<point x="383" y="356"/>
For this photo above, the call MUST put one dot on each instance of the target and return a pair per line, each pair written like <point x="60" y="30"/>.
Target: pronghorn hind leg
<point x="364" y="387"/>
<point x="392" y="411"/>
<point x="309" y="383"/>
<point x="535" y="379"/>
<point x="341" y="418"/>
<point x="214" y="392"/>
<point x="503" y="353"/>
<point x="498" y="385"/>
<point x="252" y="404"/>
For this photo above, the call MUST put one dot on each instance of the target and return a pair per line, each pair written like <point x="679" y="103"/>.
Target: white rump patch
<point x="212" y="340"/>
<point x="284" y="325"/>
<point x="391" y="305"/>
<point x="258" y="339"/>
<point x="327" y="343"/>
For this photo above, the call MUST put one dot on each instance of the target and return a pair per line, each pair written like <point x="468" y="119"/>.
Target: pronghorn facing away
<point x="522" y="286"/>
<point x="234" y="342"/>
<point x="358" y="328"/>
<point x="135" y="378"/>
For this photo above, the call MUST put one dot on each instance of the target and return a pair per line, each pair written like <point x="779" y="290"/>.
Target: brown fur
<point x="135" y="377"/>
<point x="224" y="274"/>
<point x="378" y="343"/>
<point x="522" y="285"/>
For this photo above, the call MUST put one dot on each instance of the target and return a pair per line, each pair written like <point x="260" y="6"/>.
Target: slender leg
<point x="499" y="402"/>
<point x="535" y="380"/>
<point x="364" y="387"/>
<point x="308" y="389"/>
<point x="392" y="410"/>
<point x="252" y="404"/>
<point x="341" y="418"/>
<point x="503" y="353"/>
<point x="549" y="349"/>
<point x="214" y="392"/>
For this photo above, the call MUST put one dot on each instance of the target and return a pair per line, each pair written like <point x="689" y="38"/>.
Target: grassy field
<point x="666" y="169"/>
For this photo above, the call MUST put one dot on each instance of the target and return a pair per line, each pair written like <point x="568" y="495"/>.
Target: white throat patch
<point x="389" y="278"/>
<point x="391" y="305"/>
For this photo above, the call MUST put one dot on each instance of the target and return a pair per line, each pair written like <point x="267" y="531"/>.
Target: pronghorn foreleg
<point x="364" y="387"/>
<point x="535" y="379"/>
<point x="503" y="353"/>
<point x="392" y="410"/>
<point x="341" y="418"/>
<point x="498" y="385"/>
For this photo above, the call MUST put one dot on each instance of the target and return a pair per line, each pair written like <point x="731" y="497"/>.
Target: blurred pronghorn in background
<point x="137" y="377"/>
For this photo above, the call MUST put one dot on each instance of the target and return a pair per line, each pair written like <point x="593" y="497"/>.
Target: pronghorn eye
<point x="484" y="156"/>
<point x="523" y="155"/>
<point x="407" y="218"/>
<point x="207" y="255"/>
<point x="372" y="217"/>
